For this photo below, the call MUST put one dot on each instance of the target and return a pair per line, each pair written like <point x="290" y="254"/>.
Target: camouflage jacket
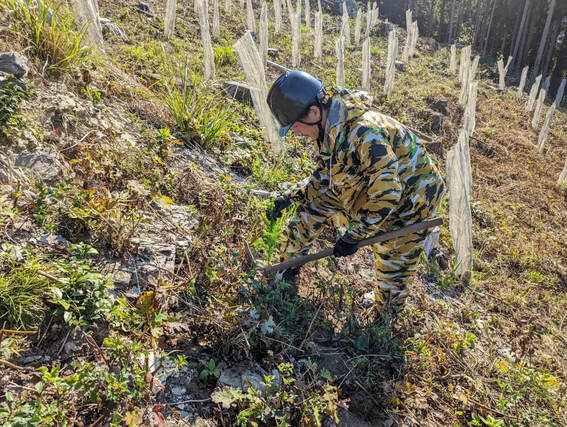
<point x="370" y="161"/>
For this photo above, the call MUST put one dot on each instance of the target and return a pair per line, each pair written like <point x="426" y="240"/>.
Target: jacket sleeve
<point x="381" y="189"/>
<point x="307" y="189"/>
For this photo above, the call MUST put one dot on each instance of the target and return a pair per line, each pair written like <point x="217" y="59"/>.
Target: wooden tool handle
<point x="299" y="261"/>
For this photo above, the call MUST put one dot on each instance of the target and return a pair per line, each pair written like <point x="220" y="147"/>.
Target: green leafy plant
<point x="210" y="371"/>
<point x="282" y="402"/>
<point x="12" y="92"/>
<point x="21" y="289"/>
<point x="224" y="55"/>
<point x="199" y="112"/>
<point x="49" y="29"/>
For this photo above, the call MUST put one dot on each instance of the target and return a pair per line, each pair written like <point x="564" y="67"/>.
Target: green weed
<point x="283" y="403"/>
<point x="200" y="113"/>
<point x="210" y="370"/>
<point x="51" y="33"/>
<point x="224" y="55"/>
<point x="21" y="290"/>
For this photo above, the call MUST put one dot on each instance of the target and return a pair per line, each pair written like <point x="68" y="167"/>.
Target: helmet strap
<point x="318" y="123"/>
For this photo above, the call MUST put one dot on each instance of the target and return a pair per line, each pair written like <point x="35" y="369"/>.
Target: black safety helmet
<point x="291" y="95"/>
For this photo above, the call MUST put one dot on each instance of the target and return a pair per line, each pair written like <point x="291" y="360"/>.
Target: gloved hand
<point x="280" y="204"/>
<point x="345" y="246"/>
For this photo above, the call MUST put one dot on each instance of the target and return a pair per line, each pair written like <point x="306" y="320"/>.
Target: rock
<point x="243" y="375"/>
<point x="346" y="419"/>
<point x="437" y="123"/>
<point x="273" y="52"/>
<point x="14" y="63"/>
<point x="239" y="91"/>
<point x="53" y="240"/>
<point x="111" y="28"/>
<point x="440" y="105"/>
<point x="335" y="7"/>
<point x="160" y="259"/>
<point x="144" y="8"/>
<point x="400" y="66"/>
<point x="46" y="168"/>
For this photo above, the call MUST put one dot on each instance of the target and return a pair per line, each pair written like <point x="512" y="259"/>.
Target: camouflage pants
<point x="395" y="260"/>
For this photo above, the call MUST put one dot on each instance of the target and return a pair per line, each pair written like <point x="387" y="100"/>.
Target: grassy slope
<point x="493" y="349"/>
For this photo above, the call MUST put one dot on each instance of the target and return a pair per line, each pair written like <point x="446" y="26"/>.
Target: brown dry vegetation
<point x="489" y="353"/>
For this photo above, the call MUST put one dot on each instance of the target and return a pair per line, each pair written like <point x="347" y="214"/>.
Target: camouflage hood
<point x="346" y="106"/>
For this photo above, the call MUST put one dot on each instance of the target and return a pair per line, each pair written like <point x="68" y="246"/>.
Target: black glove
<point x="345" y="246"/>
<point x="280" y="204"/>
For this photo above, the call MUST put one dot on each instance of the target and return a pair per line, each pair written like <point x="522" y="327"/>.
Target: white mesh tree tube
<point x="533" y="94"/>
<point x="86" y="14"/>
<point x="474" y="67"/>
<point x="357" y="25"/>
<point x="465" y="62"/>
<point x="375" y="14"/>
<point x="523" y="78"/>
<point x="546" y="83"/>
<point x="208" y="56"/>
<point x="538" y="108"/>
<point x="366" y="65"/>
<point x="340" y="50"/>
<point x="460" y="217"/>
<point x="307" y="14"/>
<point x="170" y="9"/>
<point x="227" y="6"/>
<point x="545" y="129"/>
<point x="465" y="85"/>
<point x="414" y="38"/>
<point x="277" y="16"/>
<point x="409" y="30"/>
<point x="295" y="20"/>
<point x="560" y="93"/>
<point x="216" y="21"/>
<point x="318" y="41"/>
<point x="264" y="33"/>
<point x="502" y="71"/>
<point x="453" y="60"/>
<point x="469" y="120"/>
<point x="368" y="20"/>
<point x="391" y="62"/>
<point x="251" y="64"/>
<point x="250" y="20"/>
<point x="562" y="181"/>
<point x="346" y="25"/>
<point x="242" y="4"/>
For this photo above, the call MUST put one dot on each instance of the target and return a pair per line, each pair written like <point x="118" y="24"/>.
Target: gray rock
<point x="440" y="105"/>
<point x="273" y="52"/>
<point x="144" y="7"/>
<point x="400" y="66"/>
<point x="45" y="167"/>
<point x="111" y="28"/>
<point x="437" y="123"/>
<point x="14" y="63"/>
<point x="243" y="375"/>
<point x="335" y="7"/>
<point x="53" y="240"/>
<point x="239" y="91"/>
<point x="160" y="260"/>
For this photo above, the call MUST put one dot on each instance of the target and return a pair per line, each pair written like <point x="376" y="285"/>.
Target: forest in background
<point x="533" y="32"/>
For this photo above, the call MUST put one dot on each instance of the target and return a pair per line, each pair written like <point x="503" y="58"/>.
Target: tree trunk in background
<point x="537" y="63"/>
<point x="478" y="22"/>
<point x="532" y="30"/>
<point x="431" y="18"/>
<point x="442" y="20"/>
<point x="550" y="50"/>
<point x="451" y="22"/>
<point x="561" y="64"/>
<point x="460" y="14"/>
<point x="520" y="34"/>
<point x="515" y="33"/>
<point x="489" y="28"/>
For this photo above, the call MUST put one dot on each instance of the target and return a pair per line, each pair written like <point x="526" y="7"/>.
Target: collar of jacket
<point x="346" y="105"/>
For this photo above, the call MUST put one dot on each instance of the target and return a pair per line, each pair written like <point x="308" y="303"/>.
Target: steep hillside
<point x="132" y="200"/>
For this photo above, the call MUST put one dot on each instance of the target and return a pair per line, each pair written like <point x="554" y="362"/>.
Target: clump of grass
<point x="50" y="31"/>
<point x="200" y="113"/>
<point x="21" y="292"/>
<point x="224" y="55"/>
